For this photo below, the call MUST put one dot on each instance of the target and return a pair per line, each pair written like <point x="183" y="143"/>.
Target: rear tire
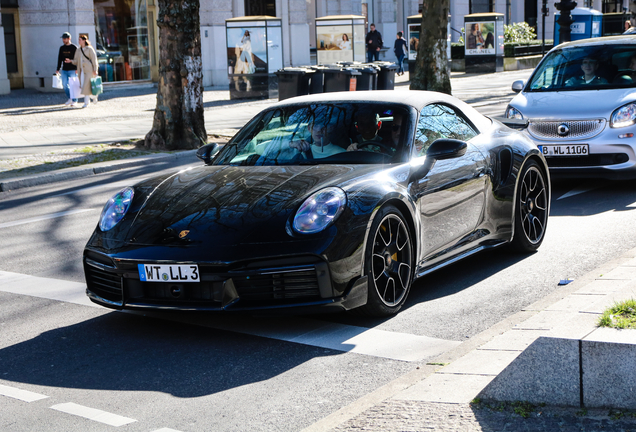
<point x="531" y="209"/>
<point x="388" y="263"/>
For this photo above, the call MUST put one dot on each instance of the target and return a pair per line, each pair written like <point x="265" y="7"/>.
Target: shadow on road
<point x="126" y="352"/>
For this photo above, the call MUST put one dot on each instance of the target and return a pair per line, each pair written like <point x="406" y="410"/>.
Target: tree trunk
<point x="178" y="121"/>
<point x="432" y="71"/>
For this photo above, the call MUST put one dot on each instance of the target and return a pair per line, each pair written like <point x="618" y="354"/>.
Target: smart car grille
<point x="102" y="282"/>
<point x="566" y="129"/>
<point x="593" y="160"/>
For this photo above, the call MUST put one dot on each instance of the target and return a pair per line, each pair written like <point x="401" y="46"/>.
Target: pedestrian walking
<point x="374" y="44"/>
<point x="85" y="60"/>
<point x="400" y="50"/>
<point x="66" y="69"/>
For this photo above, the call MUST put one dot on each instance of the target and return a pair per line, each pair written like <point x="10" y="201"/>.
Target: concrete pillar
<point x="299" y="39"/>
<point x="42" y="23"/>
<point x="213" y="14"/>
<point x="5" y="87"/>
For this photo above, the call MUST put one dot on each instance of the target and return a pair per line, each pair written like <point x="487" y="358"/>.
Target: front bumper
<point x="302" y="282"/>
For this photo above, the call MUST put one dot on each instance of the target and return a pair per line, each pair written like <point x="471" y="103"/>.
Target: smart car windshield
<point x="324" y="133"/>
<point x="593" y="67"/>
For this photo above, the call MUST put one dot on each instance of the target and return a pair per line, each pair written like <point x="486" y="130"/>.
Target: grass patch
<point x="621" y="316"/>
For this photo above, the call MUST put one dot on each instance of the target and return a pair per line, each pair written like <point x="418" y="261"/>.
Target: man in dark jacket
<point x="374" y="44"/>
<point x="67" y="51"/>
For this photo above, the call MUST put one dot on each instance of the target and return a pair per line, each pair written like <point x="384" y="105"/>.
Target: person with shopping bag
<point x="66" y="69"/>
<point x="86" y="61"/>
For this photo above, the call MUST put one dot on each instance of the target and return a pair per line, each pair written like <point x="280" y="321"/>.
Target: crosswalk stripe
<point x="23" y="395"/>
<point x="93" y="414"/>
<point x="306" y="331"/>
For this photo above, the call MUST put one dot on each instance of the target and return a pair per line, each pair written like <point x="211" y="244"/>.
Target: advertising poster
<point x="414" y="40"/>
<point x="359" y="51"/>
<point x="334" y="43"/>
<point x="480" y="38"/>
<point x="247" y="50"/>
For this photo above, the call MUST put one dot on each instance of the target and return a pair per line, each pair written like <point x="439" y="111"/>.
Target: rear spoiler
<point x="512" y="123"/>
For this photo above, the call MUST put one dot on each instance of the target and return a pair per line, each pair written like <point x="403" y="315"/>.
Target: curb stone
<point x="87" y="171"/>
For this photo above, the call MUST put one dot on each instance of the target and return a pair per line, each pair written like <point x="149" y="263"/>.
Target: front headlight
<point x="513" y="113"/>
<point x="116" y="208"/>
<point x="624" y="116"/>
<point x="320" y="210"/>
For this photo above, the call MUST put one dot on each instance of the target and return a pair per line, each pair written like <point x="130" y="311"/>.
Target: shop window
<point x="122" y="40"/>
<point x="260" y="7"/>
<point x="482" y="6"/>
<point x="10" y="46"/>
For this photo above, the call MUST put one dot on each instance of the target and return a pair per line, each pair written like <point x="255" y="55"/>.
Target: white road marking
<point x="93" y="414"/>
<point x="52" y="289"/>
<point x="23" y="395"/>
<point x="43" y="217"/>
<point x="340" y="337"/>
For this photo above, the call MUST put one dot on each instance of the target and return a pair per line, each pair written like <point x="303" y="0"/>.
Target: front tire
<point x="388" y="263"/>
<point x="531" y="209"/>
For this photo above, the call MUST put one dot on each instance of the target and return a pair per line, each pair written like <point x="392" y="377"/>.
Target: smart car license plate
<point x="168" y="273"/>
<point x="565" y="150"/>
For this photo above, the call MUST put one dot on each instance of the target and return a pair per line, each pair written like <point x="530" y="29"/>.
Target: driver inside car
<point x="323" y="130"/>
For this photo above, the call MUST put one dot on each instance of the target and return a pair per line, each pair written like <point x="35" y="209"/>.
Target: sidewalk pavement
<point x="463" y="389"/>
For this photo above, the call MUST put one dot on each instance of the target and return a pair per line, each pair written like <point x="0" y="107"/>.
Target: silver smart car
<point x="580" y="104"/>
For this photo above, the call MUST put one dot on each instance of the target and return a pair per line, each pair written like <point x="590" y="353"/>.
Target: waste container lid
<point x="295" y="70"/>
<point x="346" y="71"/>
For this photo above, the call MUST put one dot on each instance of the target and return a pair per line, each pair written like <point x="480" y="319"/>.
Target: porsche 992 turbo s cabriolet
<point x="335" y="201"/>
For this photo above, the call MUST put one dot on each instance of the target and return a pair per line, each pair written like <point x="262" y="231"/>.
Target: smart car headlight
<point x="513" y="113"/>
<point x="320" y="210"/>
<point x="624" y="116"/>
<point x="116" y="208"/>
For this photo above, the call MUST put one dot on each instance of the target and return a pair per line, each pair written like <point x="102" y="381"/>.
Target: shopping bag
<point x="74" y="87"/>
<point x="57" y="82"/>
<point x="96" y="86"/>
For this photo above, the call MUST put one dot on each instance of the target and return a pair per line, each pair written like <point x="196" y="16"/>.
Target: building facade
<point x="126" y="36"/>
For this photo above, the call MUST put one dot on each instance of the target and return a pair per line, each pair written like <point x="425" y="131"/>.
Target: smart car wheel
<point x="531" y="212"/>
<point x="388" y="263"/>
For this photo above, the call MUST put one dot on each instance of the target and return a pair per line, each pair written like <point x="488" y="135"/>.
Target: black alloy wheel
<point x="531" y="213"/>
<point x="389" y="263"/>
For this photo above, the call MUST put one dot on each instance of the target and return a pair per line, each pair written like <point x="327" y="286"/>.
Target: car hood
<point x="229" y="205"/>
<point x="572" y="105"/>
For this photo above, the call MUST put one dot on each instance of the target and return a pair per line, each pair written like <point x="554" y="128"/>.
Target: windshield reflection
<point x="586" y="68"/>
<point x="326" y="133"/>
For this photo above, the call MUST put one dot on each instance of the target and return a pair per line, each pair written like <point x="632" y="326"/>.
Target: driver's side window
<point x="440" y="121"/>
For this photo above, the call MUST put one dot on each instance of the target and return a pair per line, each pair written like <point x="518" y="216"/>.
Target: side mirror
<point x="446" y="148"/>
<point x="443" y="148"/>
<point x="206" y="152"/>
<point x="518" y="85"/>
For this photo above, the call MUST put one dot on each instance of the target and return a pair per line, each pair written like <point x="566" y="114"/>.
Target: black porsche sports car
<point x="337" y="201"/>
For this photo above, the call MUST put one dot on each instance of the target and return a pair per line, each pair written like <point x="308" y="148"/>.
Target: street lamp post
<point x="565" y="19"/>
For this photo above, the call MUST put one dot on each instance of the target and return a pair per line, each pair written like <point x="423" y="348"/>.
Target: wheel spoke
<point x="404" y="278"/>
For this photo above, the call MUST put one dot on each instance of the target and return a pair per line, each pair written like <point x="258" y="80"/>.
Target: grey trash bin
<point x="386" y="76"/>
<point x="294" y="81"/>
<point x="341" y="79"/>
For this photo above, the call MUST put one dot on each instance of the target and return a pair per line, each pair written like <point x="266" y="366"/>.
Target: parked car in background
<point x="580" y="105"/>
<point x="332" y="202"/>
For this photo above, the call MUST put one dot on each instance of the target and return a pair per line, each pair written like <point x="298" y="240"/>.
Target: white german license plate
<point x="168" y="273"/>
<point x="565" y="150"/>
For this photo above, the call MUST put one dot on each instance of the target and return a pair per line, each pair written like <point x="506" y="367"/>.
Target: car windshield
<point x="323" y="133"/>
<point x="594" y="67"/>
